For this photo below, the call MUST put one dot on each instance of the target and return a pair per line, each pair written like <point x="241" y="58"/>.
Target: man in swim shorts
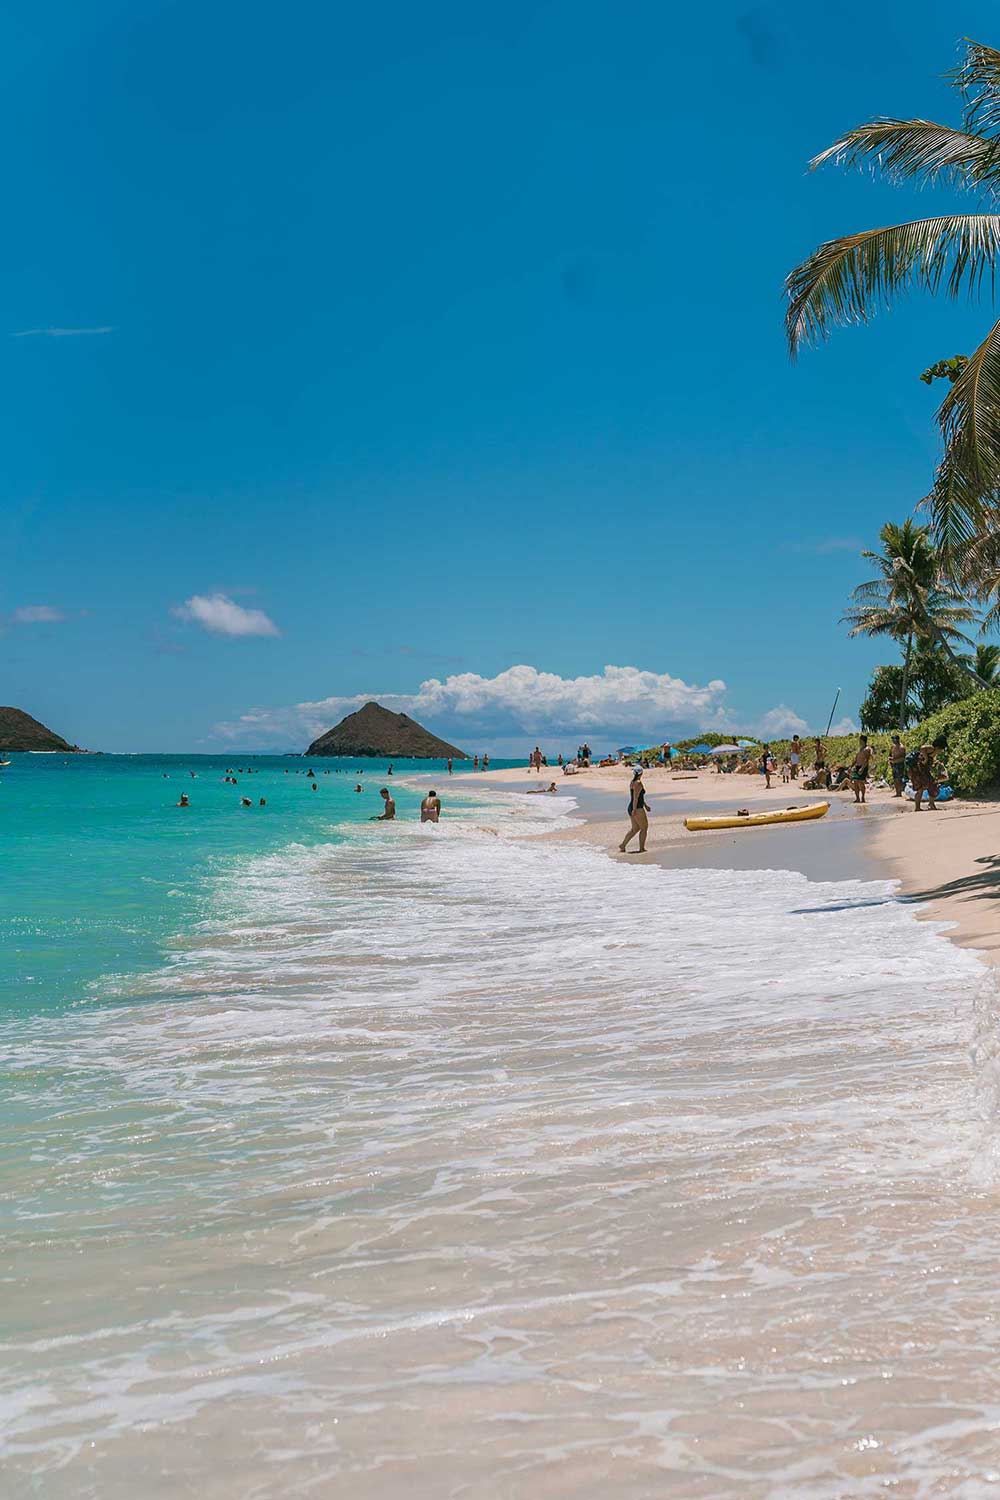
<point x="859" y="769"/>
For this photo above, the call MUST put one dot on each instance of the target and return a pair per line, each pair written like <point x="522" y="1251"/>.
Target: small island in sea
<point x="19" y="731"/>
<point x="377" y="731"/>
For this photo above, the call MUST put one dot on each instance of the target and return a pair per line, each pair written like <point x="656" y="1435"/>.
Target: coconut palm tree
<point x="986" y="664"/>
<point x="908" y="601"/>
<point x="847" y="280"/>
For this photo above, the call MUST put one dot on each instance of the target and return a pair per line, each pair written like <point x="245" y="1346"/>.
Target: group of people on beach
<point x="919" y="766"/>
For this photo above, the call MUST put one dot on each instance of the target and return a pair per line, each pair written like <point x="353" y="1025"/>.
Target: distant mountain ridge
<point x="19" y="731"/>
<point x="374" y="730"/>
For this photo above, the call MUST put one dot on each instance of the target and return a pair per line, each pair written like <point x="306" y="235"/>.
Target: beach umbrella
<point x="726" y="750"/>
<point x="699" y="750"/>
<point x="744" y="743"/>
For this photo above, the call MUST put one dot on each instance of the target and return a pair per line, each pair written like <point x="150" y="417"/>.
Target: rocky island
<point x="374" y="730"/>
<point x="19" y="731"/>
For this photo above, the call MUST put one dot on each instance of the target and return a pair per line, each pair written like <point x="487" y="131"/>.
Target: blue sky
<point x="446" y="340"/>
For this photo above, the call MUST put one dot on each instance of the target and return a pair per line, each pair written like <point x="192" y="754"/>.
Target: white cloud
<point x="779" y="723"/>
<point x="620" y="700"/>
<point x="37" y="614"/>
<point x="845" y="725"/>
<point x="220" y="615"/>
<point x="59" y="333"/>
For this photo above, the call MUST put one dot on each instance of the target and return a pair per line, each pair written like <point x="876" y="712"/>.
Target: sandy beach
<point x="945" y="861"/>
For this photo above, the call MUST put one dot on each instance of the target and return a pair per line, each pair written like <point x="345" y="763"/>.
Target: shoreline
<point x="947" y="867"/>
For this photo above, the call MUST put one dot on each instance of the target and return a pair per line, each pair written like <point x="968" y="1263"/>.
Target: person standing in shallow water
<point x="638" y="812"/>
<point x="430" y="807"/>
<point x="389" y="811"/>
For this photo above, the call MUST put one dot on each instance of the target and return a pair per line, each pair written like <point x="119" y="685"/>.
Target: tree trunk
<point x="957" y="662"/>
<point x="906" y="683"/>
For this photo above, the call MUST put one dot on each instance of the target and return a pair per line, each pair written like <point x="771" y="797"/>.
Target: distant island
<point x="374" y="730"/>
<point x="19" y="731"/>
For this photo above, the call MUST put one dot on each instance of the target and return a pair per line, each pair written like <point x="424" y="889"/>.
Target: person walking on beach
<point x="795" y="756"/>
<point x="897" y="767"/>
<point x="767" y="766"/>
<point x="638" y="812"/>
<point x="922" y="775"/>
<point x="430" y="808"/>
<point x="859" y="769"/>
<point x="449" y="765"/>
<point x="486" y="762"/>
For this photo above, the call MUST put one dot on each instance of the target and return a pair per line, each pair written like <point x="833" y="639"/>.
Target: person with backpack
<point x="920" y="764"/>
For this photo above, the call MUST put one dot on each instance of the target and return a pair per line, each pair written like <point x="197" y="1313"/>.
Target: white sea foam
<point x="449" y="1161"/>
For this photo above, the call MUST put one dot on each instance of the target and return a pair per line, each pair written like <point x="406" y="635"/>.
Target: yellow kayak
<point x="761" y="820"/>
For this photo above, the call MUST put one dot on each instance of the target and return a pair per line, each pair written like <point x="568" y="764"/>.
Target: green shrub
<point x="971" y="732"/>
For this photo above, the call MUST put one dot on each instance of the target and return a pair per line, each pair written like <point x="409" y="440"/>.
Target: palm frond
<point x="978" y="78"/>
<point x="846" y="280"/>
<point x="965" y="486"/>
<point x="902" y="149"/>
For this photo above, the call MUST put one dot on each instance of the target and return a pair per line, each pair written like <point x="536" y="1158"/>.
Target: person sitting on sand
<point x="897" y="767"/>
<point x="389" y="811"/>
<point x="859" y="769"/>
<point x="637" y="811"/>
<point x="430" y="808"/>
<point x="922" y="776"/>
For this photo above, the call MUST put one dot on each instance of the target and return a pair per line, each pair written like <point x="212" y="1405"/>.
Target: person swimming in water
<point x="184" y="800"/>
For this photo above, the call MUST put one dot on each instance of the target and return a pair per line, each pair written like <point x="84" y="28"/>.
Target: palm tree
<point x="847" y="280"/>
<point x="986" y="664"/>
<point x="908" y="601"/>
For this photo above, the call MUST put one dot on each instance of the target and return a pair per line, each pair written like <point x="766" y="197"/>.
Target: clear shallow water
<point x="452" y="1162"/>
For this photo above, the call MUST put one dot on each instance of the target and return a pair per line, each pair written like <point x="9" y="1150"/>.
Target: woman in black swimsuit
<point x="637" y="811"/>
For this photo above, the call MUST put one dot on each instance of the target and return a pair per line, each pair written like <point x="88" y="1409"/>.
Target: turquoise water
<point x="101" y="869"/>
<point x="405" y="1161"/>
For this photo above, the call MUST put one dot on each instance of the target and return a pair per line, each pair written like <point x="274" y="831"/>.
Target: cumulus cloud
<point x="60" y="333"/>
<point x="37" y="614"/>
<point x="620" y="700"/>
<point x="846" y="725"/>
<point x="780" y="723"/>
<point x="220" y="615"/>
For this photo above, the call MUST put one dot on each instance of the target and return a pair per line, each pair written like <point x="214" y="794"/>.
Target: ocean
<point x="345" y="1159"/>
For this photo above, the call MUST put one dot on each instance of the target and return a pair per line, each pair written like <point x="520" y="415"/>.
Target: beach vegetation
<point x="848" y="279"/>
<point x="970" y="731"/>
<point x="911" y="600"/>
<point x="930" y="684"/>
